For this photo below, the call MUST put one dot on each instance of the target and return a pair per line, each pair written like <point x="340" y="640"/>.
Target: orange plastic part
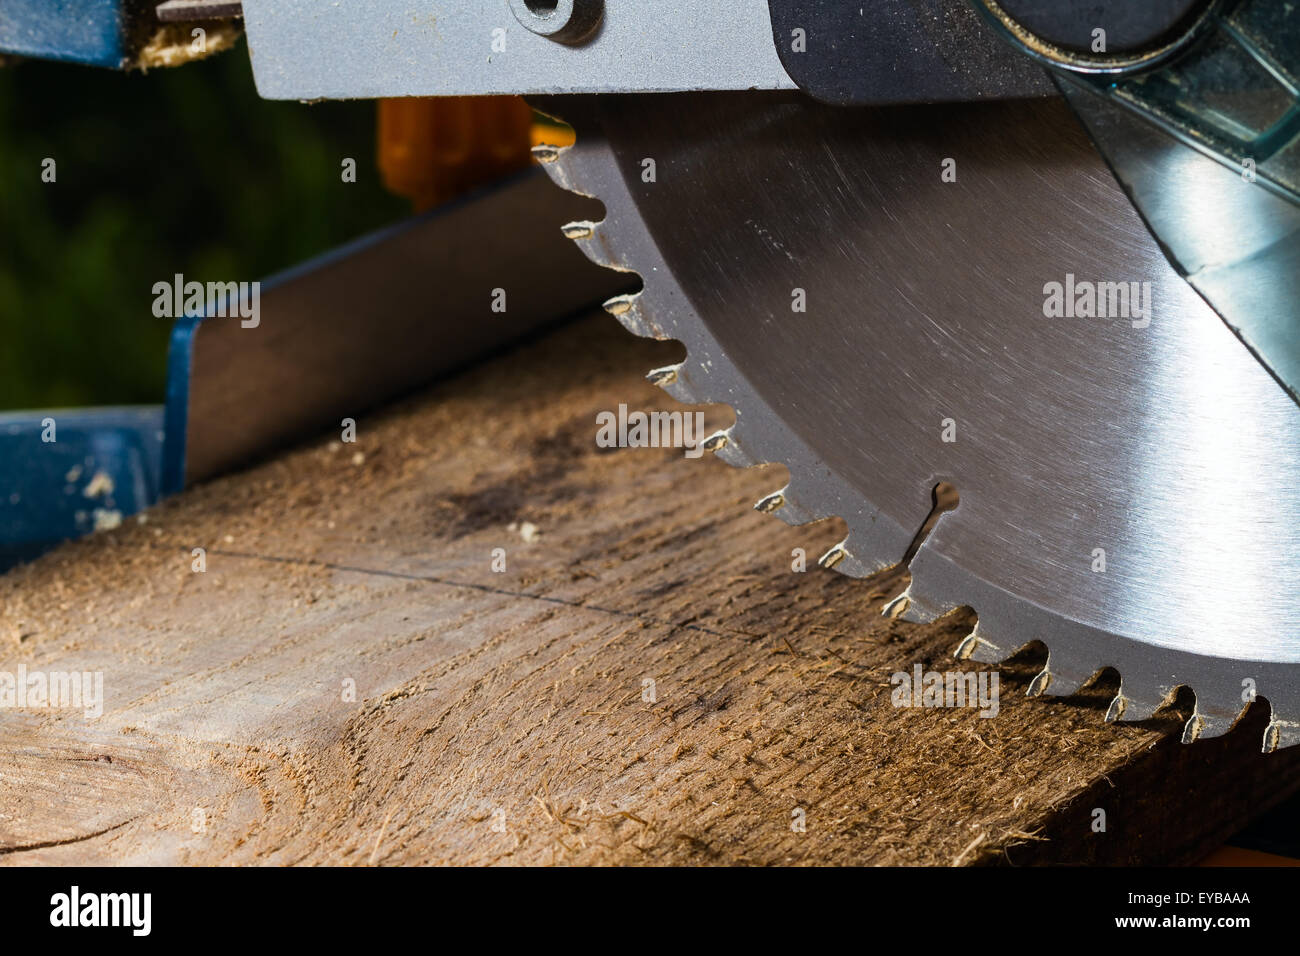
<point x="432" y="149"/>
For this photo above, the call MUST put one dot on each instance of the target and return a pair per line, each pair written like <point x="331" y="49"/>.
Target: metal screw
<point x="565" y="21"/>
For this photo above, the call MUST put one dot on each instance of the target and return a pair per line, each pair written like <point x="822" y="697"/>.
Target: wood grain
<point x="504" y="717"/>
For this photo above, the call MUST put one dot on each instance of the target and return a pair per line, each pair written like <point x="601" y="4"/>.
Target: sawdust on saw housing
<point x="173" y="44"/>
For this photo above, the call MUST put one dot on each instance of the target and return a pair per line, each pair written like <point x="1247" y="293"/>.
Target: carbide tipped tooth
<point x="1215" y="713"/>
<point x="626" y="308"/>
<point x="578" y="230"/>
<point x="663" y="377"/>
<point x="1064" y="674"/>
<point x="1116" y="709"/>
<point x="1281" y="733"/>
<point x="771" y="502"/>
<point x="1038" y="686"/>
<point x="792" y="511"/>
<point x="545" y="153"/>
<point x="834" y="556"/>
<point x="620" y="304"/>
<point x="897" y="607"/>
<point x="1203" y="725"/>
<point x="974" y="646"/>
<point x="734" y="452"/>
<point x="716" y="442"/>
<point x="1129" y="709"/>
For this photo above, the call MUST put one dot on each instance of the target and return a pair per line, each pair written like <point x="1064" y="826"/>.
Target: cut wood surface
<point x="647" y="681"/>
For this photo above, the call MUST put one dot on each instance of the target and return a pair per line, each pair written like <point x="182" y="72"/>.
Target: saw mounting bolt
<point x="565" y="21"/>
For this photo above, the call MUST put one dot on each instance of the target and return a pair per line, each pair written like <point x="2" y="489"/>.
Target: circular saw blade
<point x="893" y="298"/>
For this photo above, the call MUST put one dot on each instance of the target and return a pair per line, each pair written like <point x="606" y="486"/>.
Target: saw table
<point x="473" y="636"/>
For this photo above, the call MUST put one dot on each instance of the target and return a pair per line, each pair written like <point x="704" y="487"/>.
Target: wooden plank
<point x="505" y="717"/>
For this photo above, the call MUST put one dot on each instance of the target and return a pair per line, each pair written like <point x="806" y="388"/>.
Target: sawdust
<point x="101" y="485"/>
<point x="526" y="530"/>
<point x="105" y="519"/>
<point x="174" y="44"/>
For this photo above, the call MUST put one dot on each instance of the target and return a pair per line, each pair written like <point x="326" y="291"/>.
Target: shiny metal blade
<point x="1128" y="482"/>
<point x="1236" y="241"/>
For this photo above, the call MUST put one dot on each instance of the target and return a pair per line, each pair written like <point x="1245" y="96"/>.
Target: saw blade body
<point x="1126" y="469"/>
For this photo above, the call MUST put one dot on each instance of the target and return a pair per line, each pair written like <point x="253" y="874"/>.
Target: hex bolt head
<point x="565" y="21"/>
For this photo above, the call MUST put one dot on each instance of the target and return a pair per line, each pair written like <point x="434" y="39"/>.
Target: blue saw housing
<point x="94" y="32"/>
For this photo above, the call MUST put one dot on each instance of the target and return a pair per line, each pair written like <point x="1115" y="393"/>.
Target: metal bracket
<point x="305" y="49"/>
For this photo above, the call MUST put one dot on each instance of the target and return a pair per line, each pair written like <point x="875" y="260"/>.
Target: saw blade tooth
<point x="1217" y="711"/>
<point x="976" y="647"/>
<point x="769" y="504"/>
<point x="663" y="377"/>
<point x="928" y="599"/>
<point x="564" y="165"/>
<point x="580" y="230"/>
<point x="1063" y="674"/>
<point x="620" y="305"/>
<point x="840" y="558"/>
<point x="1203" y="725"/>
<point x="693" y="384"/>
<point x="897" y="607"/>
<point x="792" y="511"/>
<point x="683" y="384"/>
<point x="546" y="154"/>
<point x="597" y="244"/>
<point x="1118" y="704"/>
<point x="627" y="309"/>
<point x="1281" y="733"/>
<point x="1055" y="683"/>
<point x="681" y="388"/>
<point x="834" y="556"/>
<point x="731" y="448"/>
<point x="718" y="441"/>
<point x="1131" y="705"/>
<point x="587" y="236"/>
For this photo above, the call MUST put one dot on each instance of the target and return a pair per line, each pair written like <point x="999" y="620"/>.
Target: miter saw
<point x="1043" y="252"/>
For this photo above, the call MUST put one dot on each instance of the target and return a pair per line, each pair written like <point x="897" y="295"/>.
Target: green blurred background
<point x="175" y="170"/>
